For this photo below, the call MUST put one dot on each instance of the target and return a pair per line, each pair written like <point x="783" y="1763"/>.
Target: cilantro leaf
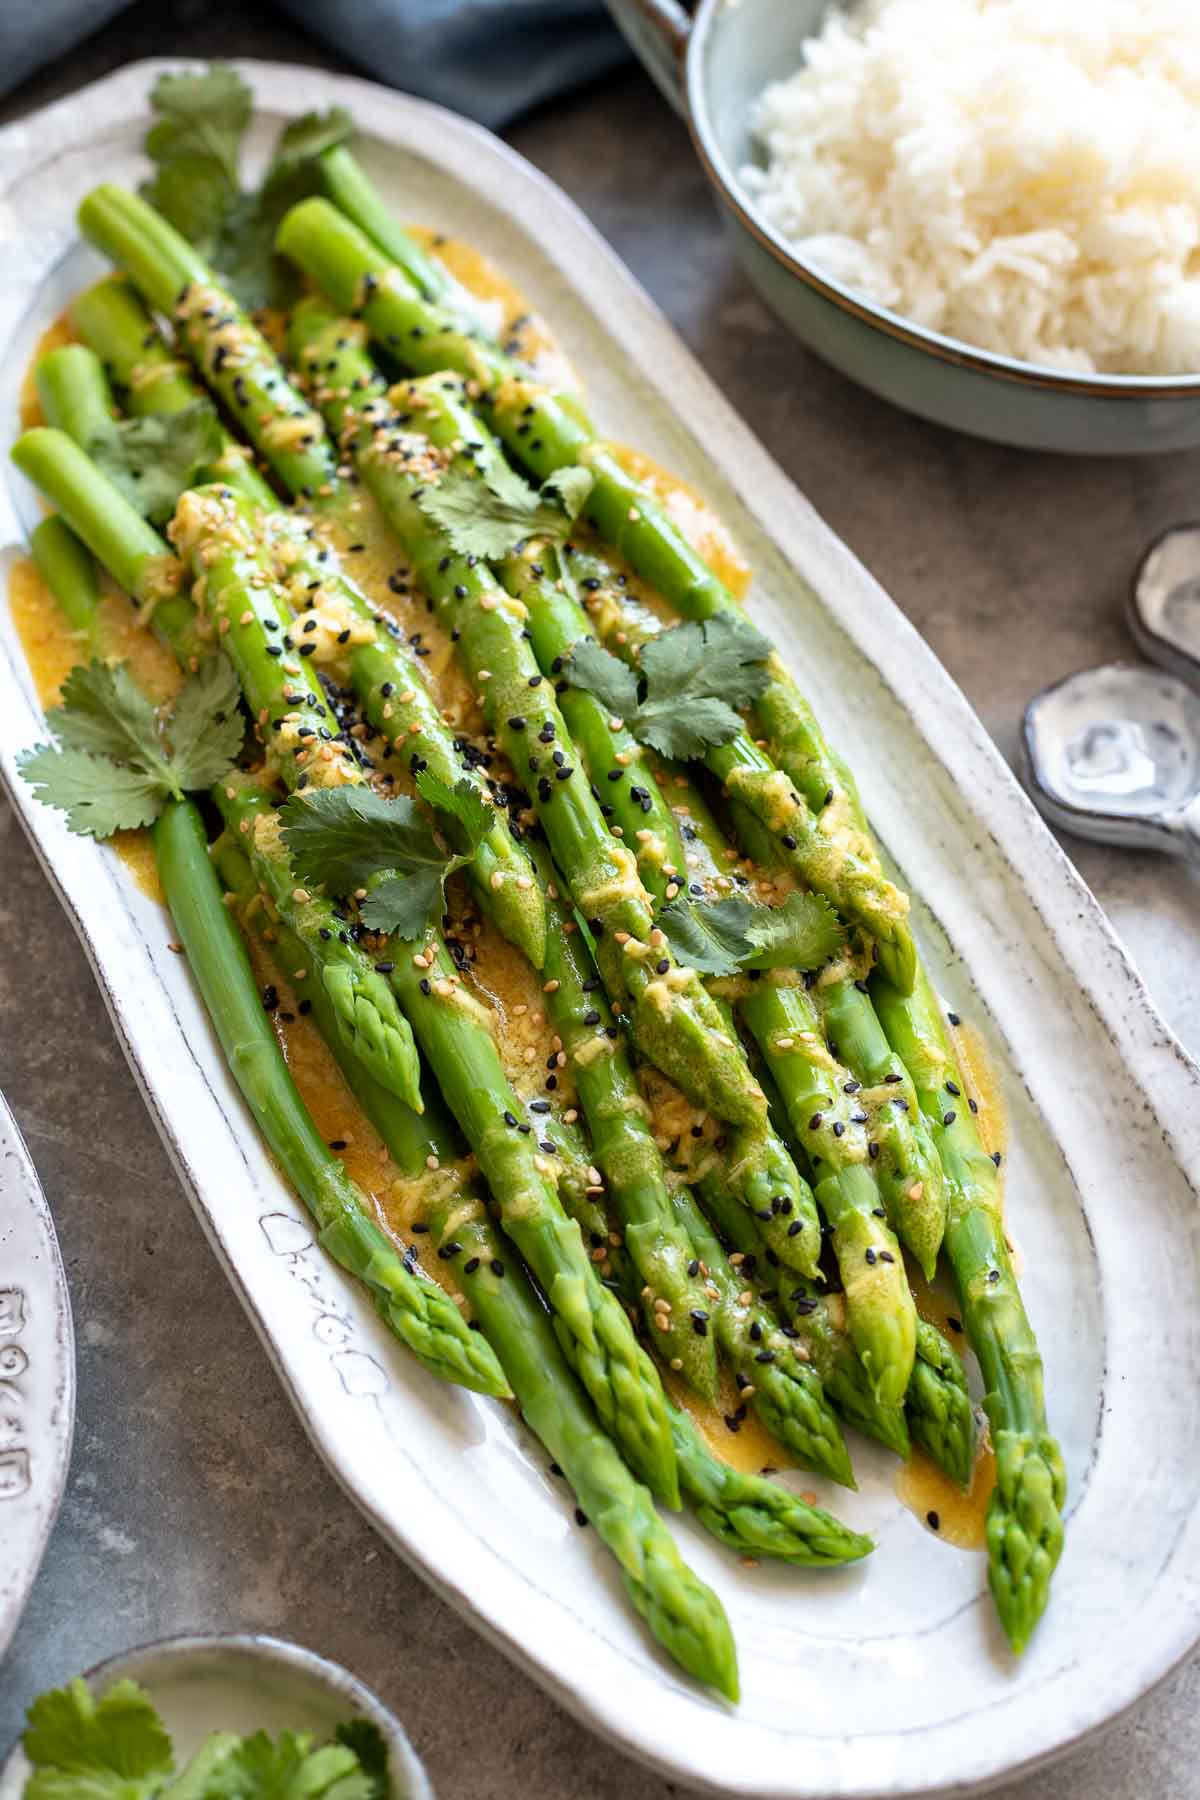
<point x="613" y="682"/>
<point x="206" y="725"/>
<point x="719" y="937"/>
<point x="300" y="144"/>
<point x="709" y="937"/>
<point x="104" y="712"/>
<point x="244" y="250"/>
<point x="683" y="696"/>
<point x="121" y="760"/>
<point x="488" y="515"/>
<point x="348" y="837"/>
<point x="154" y="458"/>
<point x="344" y="836"/>
<point x="288" y="1768"/>
<point x="463" y="803"/>
<point x="404" y="905"/>
<point x="370" y="1746"/>
<point x="194" y="145"/>
<point x="570" y="486"/>
<point x="97" y="796"/>
<point x="114" y="1748"/>
<point x="804" y="933"/>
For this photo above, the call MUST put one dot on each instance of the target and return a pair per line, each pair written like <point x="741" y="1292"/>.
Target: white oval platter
<point x="37" y="1375"/>
<point x="889" y="1679"/>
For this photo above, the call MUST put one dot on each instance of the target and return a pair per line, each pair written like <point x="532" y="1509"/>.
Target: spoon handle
<point x="1185" y="828"/>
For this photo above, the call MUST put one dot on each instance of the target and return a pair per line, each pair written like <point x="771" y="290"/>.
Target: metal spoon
<point x="1164" y="602"/>
<point x="1114" y="754"/>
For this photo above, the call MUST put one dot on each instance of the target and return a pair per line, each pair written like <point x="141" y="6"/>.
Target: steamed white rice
<point x="1020" y="174"/>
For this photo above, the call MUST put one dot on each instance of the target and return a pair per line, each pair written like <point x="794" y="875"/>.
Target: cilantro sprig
<point x="114" y="1748"/>
<point x="683" y="696"/>
<point x="120" y="759"/>
<point x="489" y="514"/>
<point x="195" y="145"/>
<point x="153" y="459"/>
<point x="351" y="838"/>
<point x="721" y="937"/>
<point x="117" y="1748"/>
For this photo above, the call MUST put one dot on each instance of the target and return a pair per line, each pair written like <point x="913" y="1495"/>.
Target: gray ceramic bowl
<point x="711" y="67"/>
<point x="245" y="1683"/>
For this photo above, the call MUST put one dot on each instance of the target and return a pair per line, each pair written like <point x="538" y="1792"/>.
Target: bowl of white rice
<point x="988" y="211"/>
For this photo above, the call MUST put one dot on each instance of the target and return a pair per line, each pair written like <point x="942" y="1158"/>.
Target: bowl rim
<point x="180" y="1648"/>
<point x="724" y="181"/>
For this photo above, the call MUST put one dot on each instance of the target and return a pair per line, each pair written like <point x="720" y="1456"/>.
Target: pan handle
<point x="657" y="33"/>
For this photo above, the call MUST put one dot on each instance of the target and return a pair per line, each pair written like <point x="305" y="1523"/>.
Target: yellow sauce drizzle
<point x="920" y="1484"/>
<point x="751" y="1448"/>
<point x="692" y="515"/>
<point x="54" y="336"/>
<point x="961" y="1518"/>
<point x="524" y="333"/>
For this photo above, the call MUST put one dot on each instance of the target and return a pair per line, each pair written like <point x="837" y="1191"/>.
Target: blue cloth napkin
<point x="491" y="59"/>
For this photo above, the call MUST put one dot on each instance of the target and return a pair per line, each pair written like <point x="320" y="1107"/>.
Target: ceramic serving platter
<point x="37" y="1374"/>
<point x="889" y="1679"/>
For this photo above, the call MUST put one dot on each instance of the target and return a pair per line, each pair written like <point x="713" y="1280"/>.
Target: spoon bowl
<point x="1113" y="754"/>
<point x="1164" y="602"/>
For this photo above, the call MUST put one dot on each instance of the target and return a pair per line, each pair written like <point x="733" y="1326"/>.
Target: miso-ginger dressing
<point x="957" y="1517"/>
<point x="751" y="1447"/>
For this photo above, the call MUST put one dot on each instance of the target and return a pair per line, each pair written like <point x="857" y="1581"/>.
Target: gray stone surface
<point x="195" y="1500"/>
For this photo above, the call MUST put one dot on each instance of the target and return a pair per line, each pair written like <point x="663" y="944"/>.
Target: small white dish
<point x="245" y="1683"/>
<point x="37" y="1375"/>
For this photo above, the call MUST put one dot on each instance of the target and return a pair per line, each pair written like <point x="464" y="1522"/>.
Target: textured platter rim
<point x="43" y="1435"/>
<point x="750" y="1759"/>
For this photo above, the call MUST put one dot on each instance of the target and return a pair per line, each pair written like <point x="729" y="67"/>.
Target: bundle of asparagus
<point x="748" y="1112"/>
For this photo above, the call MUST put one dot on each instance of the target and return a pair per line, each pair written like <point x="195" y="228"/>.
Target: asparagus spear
<point x="398" y="450"/>
<point x="115" y="325"/>
<point x="221" y="340"/>
<point x="546" y="435"/>
<point x="68" y="570"/>
<point x="393" y="693"/>
<point x="684" y="1615"/>
<point x="627" y="1156"/>
<point x="757" y="1517"/>
<point x="747" y="1512"/>
<point x="781" y="1385"/>
<point x="1024" y="1524"/>
<point x="415" y="1311"/>
<point x="906" y="1163"/>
